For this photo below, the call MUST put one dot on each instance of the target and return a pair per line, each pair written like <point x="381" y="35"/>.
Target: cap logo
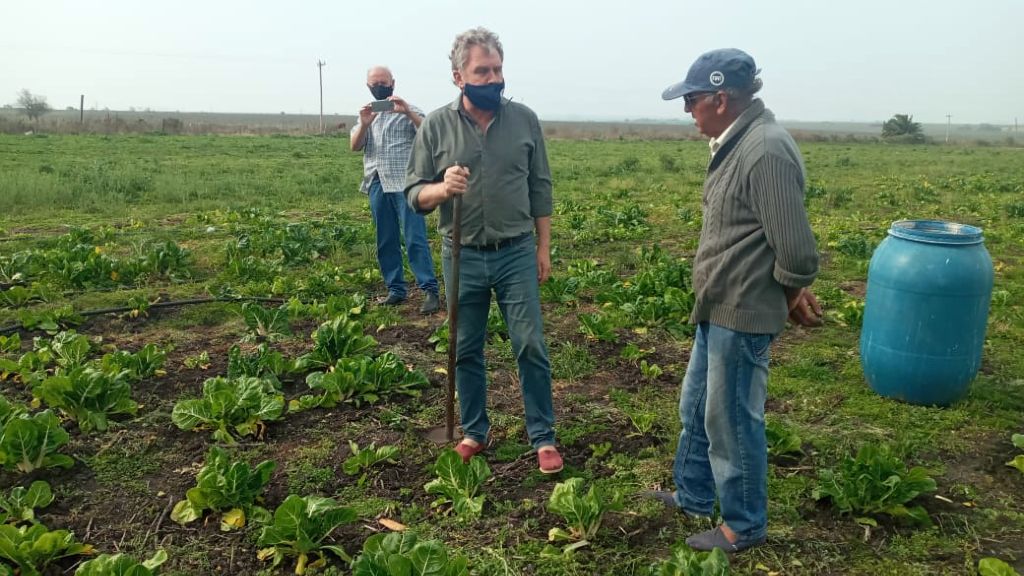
<point x="717" y="78"/>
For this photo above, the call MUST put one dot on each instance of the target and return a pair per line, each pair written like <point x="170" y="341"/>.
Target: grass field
<point x="94" y="222"/>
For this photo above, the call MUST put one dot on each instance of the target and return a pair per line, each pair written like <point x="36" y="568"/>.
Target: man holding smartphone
<point x="490" y="151"/>
<point x="385" y="133"/>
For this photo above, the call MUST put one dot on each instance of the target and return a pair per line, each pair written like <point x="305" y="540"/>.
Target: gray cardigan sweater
<point x="755" y="238"/>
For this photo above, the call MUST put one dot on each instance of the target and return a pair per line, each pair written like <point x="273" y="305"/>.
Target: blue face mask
<point x="484" y="96"/>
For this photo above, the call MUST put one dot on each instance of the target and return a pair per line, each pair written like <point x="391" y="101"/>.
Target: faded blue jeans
<point x="722" y="447"/>
<point x="511" y="273"/>
<point x="393" y="219"/>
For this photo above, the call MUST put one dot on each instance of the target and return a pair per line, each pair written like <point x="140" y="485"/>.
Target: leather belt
<point x="495" y="246"/>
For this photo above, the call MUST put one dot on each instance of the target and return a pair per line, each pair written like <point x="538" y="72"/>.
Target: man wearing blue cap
<point x="755" y="260"/>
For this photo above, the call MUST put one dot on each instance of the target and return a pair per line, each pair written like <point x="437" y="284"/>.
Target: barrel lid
<point x="936" y="232"/>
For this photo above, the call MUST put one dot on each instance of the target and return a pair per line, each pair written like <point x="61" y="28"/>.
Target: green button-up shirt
<point x="509" y="177"/>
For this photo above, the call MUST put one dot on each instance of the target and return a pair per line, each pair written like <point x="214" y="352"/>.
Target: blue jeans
<point x="511" y="272"/>
<point x="393" y="218"/>
<point x="722" y="447"/>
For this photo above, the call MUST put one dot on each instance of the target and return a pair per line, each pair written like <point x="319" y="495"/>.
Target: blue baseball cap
<point x="716" y="70"/>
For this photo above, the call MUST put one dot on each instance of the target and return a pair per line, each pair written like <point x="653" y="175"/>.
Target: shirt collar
<point x="754" y="110"/>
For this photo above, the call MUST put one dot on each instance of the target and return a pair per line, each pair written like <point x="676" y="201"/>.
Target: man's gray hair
<point x="473" y="37"/>
<point x="745" y="94"/>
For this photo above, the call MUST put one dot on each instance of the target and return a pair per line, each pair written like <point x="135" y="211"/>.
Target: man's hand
<point x="804" y="309"/>
<point x="366" y="115"/>
<point x="401" y="106"/>
<point x="456" y="181"/>
<point x="543" y="264"/>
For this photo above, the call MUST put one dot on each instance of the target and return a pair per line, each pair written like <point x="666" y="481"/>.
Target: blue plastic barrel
<point x="926" y="310"/>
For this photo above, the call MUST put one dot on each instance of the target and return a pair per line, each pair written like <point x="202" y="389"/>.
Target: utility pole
<point x="320" y="66"/>
<point x="948" y="119"/>
<point x="81" y="109"/>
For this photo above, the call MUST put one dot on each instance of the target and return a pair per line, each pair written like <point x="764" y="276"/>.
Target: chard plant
<point x="995" y="567"/>
<point x="362" y="459"/>
<point x="360" y="380"/>
<point x="88" y="396"/>
<point x="262" y="363"/>
<point x="226" y="486"/>
<point x="1018" y="460"/>
<point x="299" y="528"/>
<point x="403" y="554"/>
<point x="20" y="505"/>
<point x="146" y="363"/>
<point x="583" y="512"/>
<point x="687" y="562"/>
<point x="200" y="361"/>
<point x="875" y="482"/>
<point x="30" y="442"/>
<point x="231" y="408"/>
<point x="35" y="547"/>
<point x="458" y="483"/>
<point x="650" y="371"/>
<point x="334" y="340"/>
<point x="9" y="344"/>
<point x="265" y="325"/>
<point x="598" y="327"/>
<point x="782" y="441"/>
<point x="122" y="565"/>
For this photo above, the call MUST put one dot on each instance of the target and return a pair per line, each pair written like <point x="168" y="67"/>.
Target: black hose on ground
<point x="172" y="304"/>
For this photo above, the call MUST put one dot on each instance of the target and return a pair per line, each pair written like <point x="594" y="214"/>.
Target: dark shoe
<point x="711" y="539"/>
<point x="668" y="499"/>
<point x="392" y="300"/>
<point x="431" y="304"/>
<point x="467" y="451"/>
<point x="549" y="461"/>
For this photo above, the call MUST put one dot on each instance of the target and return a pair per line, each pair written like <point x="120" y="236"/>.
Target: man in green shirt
<point x="491" y="151"/>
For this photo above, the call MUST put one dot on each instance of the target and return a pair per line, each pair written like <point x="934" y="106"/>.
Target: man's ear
<point x="723" y="102"/>
<point x="457" y="78"/>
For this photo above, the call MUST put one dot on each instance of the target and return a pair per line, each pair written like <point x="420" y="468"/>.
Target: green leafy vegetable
<point x="20" y="504"/>
<point x="88" y="396"/>
<point x="687" y="562"/>
<point x="582" y="512"/>
<point x="299" y="529"/>
<point x="459" y="483"/>
<point x="33" y="548"/>
<point x="231" y="408"/>
<point x="224" y="486"/>
<point x="31" y="442"/>
<point x="402" y="554"/>
<point x="121" y="565"/>
<point x="335" y="339"/>
<point x="875" y="482"/>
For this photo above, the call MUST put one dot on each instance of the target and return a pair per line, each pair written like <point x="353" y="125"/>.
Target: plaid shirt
<point x="387" y="149"/>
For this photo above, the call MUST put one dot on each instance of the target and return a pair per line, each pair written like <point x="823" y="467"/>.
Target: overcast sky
<point x="857" y="60"/>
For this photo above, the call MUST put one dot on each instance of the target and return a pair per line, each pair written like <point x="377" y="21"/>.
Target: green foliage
<point x="782" y="440"/>
<point x="439" y="338"/>
<point x="261" y="363"/>
<point x="875" y="482"/>
<point x="650" y="372"/>
<point x="224" y="485"/>
<point x="265" y="324"/>
<point x="299" y="529"/>
<point x="29" y="442"/>
<point x="146" y="363"/>
<point x="32" y="548"/>
<point x="122" y="565"/>
<point x="902" y="127"/>
<point x="687" y="562"/>
<point x="995" y="567"/>
<point x="658" y="295"/>
<point x="360" y="380"/>
<point x="642" y="418"/>
<point x="403" y="554"/>
<point x="88" y="396"/>
<point x="571" y="362"/>
<point x="49" y="321"/>
<point x="18" y="296"/>
<point x="10" y="343"/>
<point x="335" y="339"/>
<point x="598" y="327"/>
<point x="231" y="408"/>
<point x="362" y="459"/>
<point x="1018" y="460"/>
<point x="202" y="361"/>
<point x="20" y="504"/>
<point x="458" y="483"/>
<point x="69" y="350"/>
<point x="583" y="512"/>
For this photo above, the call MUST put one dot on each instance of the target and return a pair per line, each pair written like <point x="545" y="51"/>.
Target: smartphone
<point x="382" y="106"/>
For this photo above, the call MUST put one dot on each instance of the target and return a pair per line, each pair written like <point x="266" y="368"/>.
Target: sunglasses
<point x="693" y="97"/>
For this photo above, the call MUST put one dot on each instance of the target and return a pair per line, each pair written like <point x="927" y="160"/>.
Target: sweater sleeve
<point x="777" y="196"/>
<point x="420" y="170"/>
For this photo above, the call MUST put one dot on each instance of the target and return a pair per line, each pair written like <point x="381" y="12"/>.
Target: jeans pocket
<point x="760" y="344"/>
